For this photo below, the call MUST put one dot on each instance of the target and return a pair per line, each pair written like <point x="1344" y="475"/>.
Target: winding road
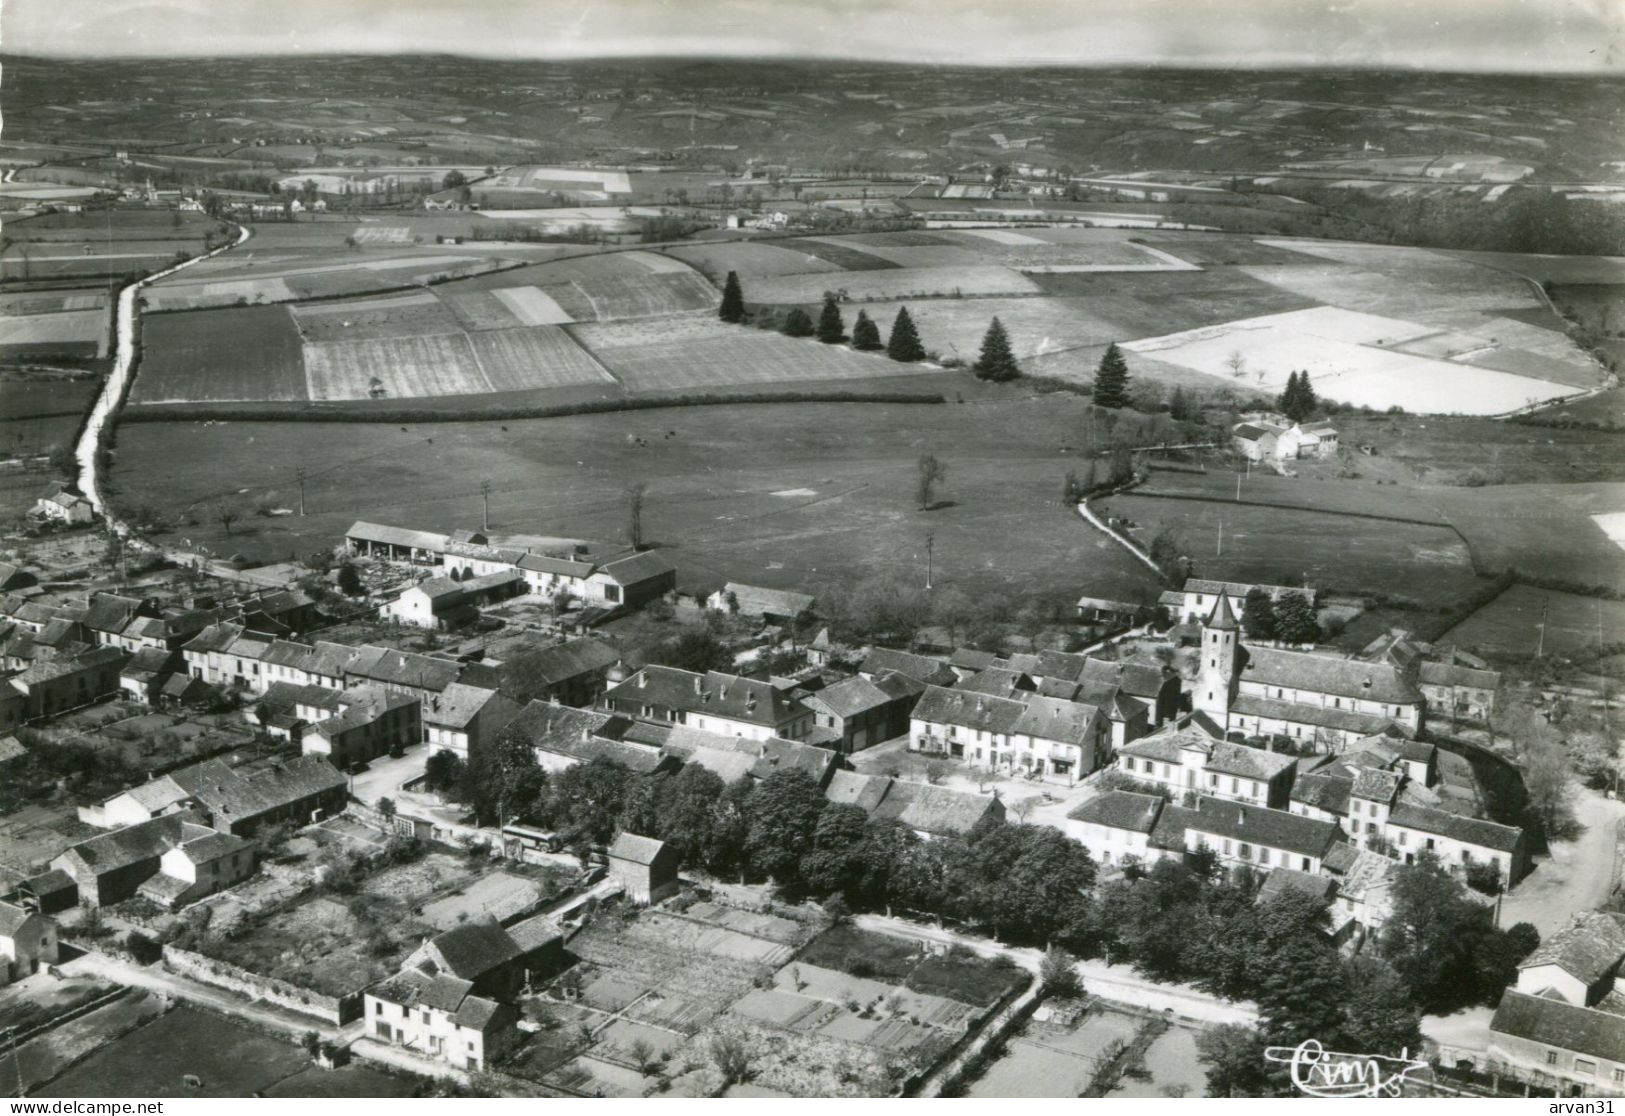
<point x="88" y="450"/>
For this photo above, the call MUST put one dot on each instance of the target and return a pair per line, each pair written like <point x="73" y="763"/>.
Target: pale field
<point x="405" y="367"/>
<point x="902" y="282"/>
<point x="751" y="259"/>
<point x="69" y="325"/>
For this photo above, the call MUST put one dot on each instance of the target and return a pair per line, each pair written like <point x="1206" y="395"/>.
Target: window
<point x="1246" y="851"/>
<point x="1619" y="1075"/>
<point x="1402" y="836"/>
<point x="1306" y="864"/>
<point x="1263" y="856"/>
<point x="1584" y="1065"/>
<point x="1227" y="846"/>
<point x="1551" y="1057"/>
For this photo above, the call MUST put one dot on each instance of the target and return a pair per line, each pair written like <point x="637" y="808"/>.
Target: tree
<point x="831" y="329"/>
<point x="733" y="300"/>
<point x="1308" y="404"/>
<point x="996" y="362"/>
<point x="731" y="1057"/>
<point x="1287" y="401"/>
<point x="228" y="514"/>
<point x="586" y="799"/>
<point x="798" y="324"/>
<point x="1378" y="1017"/>
<point x="931" y="472"/>
<point x="445" y="771"/>
<point x="1550" y="784"/>
<point x="386" y="807"/>
<point x="1234" y="1057"/>
<point x="697" y="650"/>
<point x="1295" y="619"/>
<point x="634" y="514"/>
<point x="1179" y="406"/>
<point x="784" y="812"/>
<point x="349" y="580"/>
<point x="866" y="335"/>
<point x="1258" y="614"/>
<point x="1111" y="379"/>
<point x="1058" y="974"/>
<point x="453" y="179"/>
<point x="904" y="345"/>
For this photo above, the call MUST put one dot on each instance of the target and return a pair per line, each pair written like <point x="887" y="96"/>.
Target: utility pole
<point x="1540" y="643"/>
<point x="930" y="539"/>
<point x="1220" y="554"/>
<point x="299" y="475"/>
<point x="485" y="505"/>
<point x="1238" y="488"/>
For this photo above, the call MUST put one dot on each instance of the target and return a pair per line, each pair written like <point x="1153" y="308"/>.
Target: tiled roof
<point x="216" y="637"/>
<point x="784" y="755"/>
<point x="573" y="659"/>
<point x="1449" y="674"/>
<point x="935" y="810"/>
<point x="1169" y="832"/>
<point x="1065" y="722"/>
<point x="998" y="681"/>
<point x="403" y="668"/>
<point x="1589" y="948"/>
<point x="919" y="667"/>
<point x="457" y="705"/>
<point x="213" y="845"/>
<point x="713" y="693"/>
<point x="1375" y="785"/>
<point x="1297" y="712"/>
<point x="563" y="567"/>
<point x="108" y="852"/>
<point x="853" y="788"/>
<point x="362" y="706"/>
<point x="475" y="948"/>
<point x="1249" y="763"/>
<point x="1290" y="879"/>
<point x="1327" y="674"/>
<point x="233" y="796"/>
<point x="848" y="698"/>
<point x="635" y="848"/>
<point x="396" y="536"/>
<point x="1121" y="809"/>
<point x="1223" y="617"/>
<point x="942" y="706"/>
<point x="635" y="568"/>
<point x="1241" y="588"/>
<point x="1329" y="792"/>
<point x="1587" y="1031"/>
<point x="1168" y="745"/>
<point x="1260" y="825"/>
<point x="579" y="734"/>
<point x="12" y="918"/>
<point x="1142" y="680"/>
<point x="1471" y="831"/>
<point x="968" y="658"/>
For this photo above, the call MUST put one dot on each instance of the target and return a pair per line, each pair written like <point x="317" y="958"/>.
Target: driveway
<point x="1577" y="876"/>
<point x="384" y="775"/>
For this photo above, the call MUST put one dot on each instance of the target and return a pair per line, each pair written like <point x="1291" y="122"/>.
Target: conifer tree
<point x="1288" y="401"/>
<point x="1308" y="404"/>
<point x="997" y="363"/>
<point x="1111" y="379"/>
<point x="866" y="335"/>
<point x="831" y="329"/>
<point x="733" y="300"/>
<point x="904" y="344"/>
<point x="798" y="324"/>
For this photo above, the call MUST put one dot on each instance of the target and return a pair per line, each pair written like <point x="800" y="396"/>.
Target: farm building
<point x="55" y="686"/>
<point x="480" y="952"/>
<point x="732" y="757"/>
<point x="444" y="602"/>
<point x="438" y="1016"/>
<point x="1199" y="595"/>
<point x="645" y="867"/>
<point x="13" y="577"/>
<point x="1101" y="610"/>
<point x="927" y="671"/>
<point x="1116" y="825"/>
<point x="64" y="506"/>
<point x="930" y="811"/>
<point x="776" y="606"/>
<point x="1038" y="736"/>
<point x="394" y="544"/>
<point x="115" y="866"/>
<point x="562" y="737"/>
<point x="1256" y="836"/>
<point x="234" y="800"/>
<point x="1261" y="440"/>
<point x="27" y="942"/>
<point x="1561" y="1026"/>
<point x="631" y="581"/>
<point x="857" y="713"/>
<point x="575" y="672"/>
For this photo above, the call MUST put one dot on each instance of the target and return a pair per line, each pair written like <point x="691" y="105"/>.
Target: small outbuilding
<point x="647" y="868"/>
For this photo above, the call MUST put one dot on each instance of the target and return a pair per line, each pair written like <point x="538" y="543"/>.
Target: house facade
<point x="27" y="943"/>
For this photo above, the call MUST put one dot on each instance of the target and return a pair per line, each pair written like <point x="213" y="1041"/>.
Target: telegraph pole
<point x="299" y="475"/>
<point x="1220" y="554"/>
<point x="930" y="539"/>
<point x="485" y="505"/>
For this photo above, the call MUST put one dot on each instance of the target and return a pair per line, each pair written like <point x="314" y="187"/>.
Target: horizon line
<point x="1214" y="65"/>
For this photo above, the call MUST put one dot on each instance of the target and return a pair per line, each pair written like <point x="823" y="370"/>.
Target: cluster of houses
<point x="1275" y="438"/>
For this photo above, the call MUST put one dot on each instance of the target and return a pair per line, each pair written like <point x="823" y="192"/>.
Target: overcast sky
<point x="1534" y="35"/>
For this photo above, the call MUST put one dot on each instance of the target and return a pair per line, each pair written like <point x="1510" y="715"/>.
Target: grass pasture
<point x="892" y="283"/>
<point x="407" y="315"/>
<point x="739" y="356"/>
<point x="205" y="355"/>
<point x="752" y="259"/>
<point x="531" y="357"/>
<point x="66" y="333"/>
<point x="605" y="287"/>
<point x="394" y="368"/>
<point x="1511" y="625"/>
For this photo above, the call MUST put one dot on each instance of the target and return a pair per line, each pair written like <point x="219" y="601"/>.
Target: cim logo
<point x="1318" y="1072"/>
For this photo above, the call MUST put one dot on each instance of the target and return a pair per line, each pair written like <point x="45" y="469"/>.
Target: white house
<point x="27" y="942"/>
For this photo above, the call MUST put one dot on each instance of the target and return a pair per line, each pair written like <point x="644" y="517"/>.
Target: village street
<point x="1578" y="876"/>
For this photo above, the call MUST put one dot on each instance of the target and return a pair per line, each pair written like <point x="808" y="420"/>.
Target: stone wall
<point x="337" y="1010"/>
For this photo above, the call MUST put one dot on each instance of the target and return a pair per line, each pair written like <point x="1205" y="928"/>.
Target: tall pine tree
<point x="1288" y="401"/>
<point x="733" y="300"/>
<point x="1307" y="402"/>
<point x="997" y="363"/>
<point x="1111" y="379"/>
<point x="797" y="324"/>
<point x="831" y="329"/>
<point x="904" y="344"/>
<point x="866" y="335"/>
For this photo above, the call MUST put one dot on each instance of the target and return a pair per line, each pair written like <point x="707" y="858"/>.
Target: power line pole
<point x="485" y="505"/>
<point x="299" y="475"/>
<point x="930" y="539"/>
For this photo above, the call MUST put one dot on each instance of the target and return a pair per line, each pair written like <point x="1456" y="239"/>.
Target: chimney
<point x="643" y="679"/>
<point x="698" y="680"/>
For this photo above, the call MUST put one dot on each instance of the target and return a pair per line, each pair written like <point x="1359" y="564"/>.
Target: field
<point x="51" y="325"/>
<point x="114" y="242"/>
<point x="1369" y="360"/>
<point x="1512" y="624"/>
<point x="783" y="494"/>
<point x="1052" y="1060"/>
<point x="248" y="353"/>
<point x="228" y="1058"/>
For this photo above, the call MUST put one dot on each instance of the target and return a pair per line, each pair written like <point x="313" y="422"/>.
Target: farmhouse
<point x="856" y="713"/>
<point x="228" y="654"/>
<point x="549" y="576"/>
<point x="931" y="812"/>
<point x="1117" y="825"/>
<point x="1263" y="440"/>
<point x="1458" y="691"/>
<point x="927" y="671"/>
<point x="645" y="867"/>
<point x="234" y="800"/>
<point x="562" y="737"/>
<point x="631" y="581"/>
<point x="372" y="721"/>
<point x="440" y="1017"/>
<point x="65" y="506"/>
<point x="57" y="685"/>
<point x="573" y="673"/>
<point x="776" y="606"/>
<point x="1563" y="1025"/>
<point x="480" y="952"/>
<point x="27" y="941"/>
<point x="443" y="602"/>
<point x="731" y="757"/>
<point x="115" y="866"/>
<point x="1185" y="758"/>
<point x="722" y="703"/>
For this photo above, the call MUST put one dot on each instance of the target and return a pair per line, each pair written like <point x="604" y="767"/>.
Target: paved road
<point x="1114" y="982"/>
<point x="1577" y="876"/>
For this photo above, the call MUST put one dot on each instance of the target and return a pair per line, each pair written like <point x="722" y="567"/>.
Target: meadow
<point x="811" y="493"/>
<point x="1512" y="623"/>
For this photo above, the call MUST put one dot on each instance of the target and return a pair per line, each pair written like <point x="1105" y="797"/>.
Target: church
<point x="1322" y="699"/>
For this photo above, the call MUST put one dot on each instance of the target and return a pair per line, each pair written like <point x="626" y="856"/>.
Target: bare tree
<point x="228" y="514"/>
<point x="634" y="514"/>
<point x="1236" y="363"/>
<point x="931" y="472"/>
<point x="732" y="1059"/>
